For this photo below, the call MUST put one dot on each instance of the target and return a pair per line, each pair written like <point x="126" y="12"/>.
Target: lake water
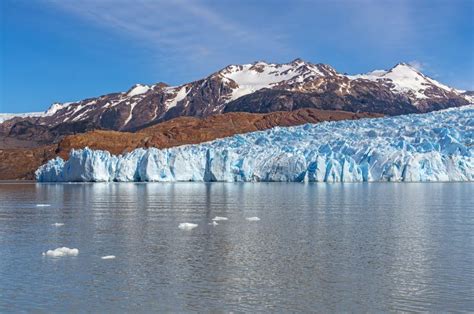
<point x="317" y="247"/>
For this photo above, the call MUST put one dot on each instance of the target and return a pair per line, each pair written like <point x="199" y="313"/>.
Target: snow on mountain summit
<point x="405" y="79"/>
<point x="138" y="89"/>
<point x="248" y="78"/>
<point x="55" y="107"/>
<point x="257" y="87"/>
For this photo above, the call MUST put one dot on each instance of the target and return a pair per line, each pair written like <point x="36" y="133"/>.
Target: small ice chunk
<point x="214" y="223"/>
<point x="43" y="205"/>
<point x="252" y="218"/>
<point x="219" y="218"/>
<point x="108" y="257"/>
<point x="187" y="226"/>
<point x="60" y="252"/>
<point x="57" y="224"/>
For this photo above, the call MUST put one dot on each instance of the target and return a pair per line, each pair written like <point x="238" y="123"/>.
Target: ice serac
<point x="435" y="146"/>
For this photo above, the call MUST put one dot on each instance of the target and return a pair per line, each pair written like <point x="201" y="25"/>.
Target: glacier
<point x="436" y="146"/>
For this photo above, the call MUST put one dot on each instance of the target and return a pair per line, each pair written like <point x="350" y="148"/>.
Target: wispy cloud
<point x="193" y="37"/>
<point x="420" y="66"/>
<point x="178" y="30"/>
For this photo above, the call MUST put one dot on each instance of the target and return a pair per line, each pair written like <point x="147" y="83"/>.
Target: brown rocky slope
<point x="21" y="163"/>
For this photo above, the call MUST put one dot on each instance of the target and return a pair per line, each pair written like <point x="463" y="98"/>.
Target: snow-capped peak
<point x="403" y="71"/>
<point x="404" y="65"/>
<point x="55" y="107"/>
<point x="298" y="60"/>
<point x="405" y="79"/>
<point x="138" y="89"/>
<point x="399" y="71"/>
<point x="248" y="78"/>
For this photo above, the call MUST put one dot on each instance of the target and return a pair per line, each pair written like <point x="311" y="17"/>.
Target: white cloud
<point x="420" y="66"/>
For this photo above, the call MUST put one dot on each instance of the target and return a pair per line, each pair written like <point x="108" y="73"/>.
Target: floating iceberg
<point x="253" y="219"/>
<point x="187" y="226"/>
<point x="219" y="218"/>
<point x="61" y="252"/>
<point x="108" y="257"/>
<point x="436" y="146"/>
<point x="57" y="224"/>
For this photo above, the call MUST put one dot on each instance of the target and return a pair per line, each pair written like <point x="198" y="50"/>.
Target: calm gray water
<point x="317" y="247"/>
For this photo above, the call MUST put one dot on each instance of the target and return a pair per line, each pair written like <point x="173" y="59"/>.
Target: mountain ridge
<point x="258" y="87"/>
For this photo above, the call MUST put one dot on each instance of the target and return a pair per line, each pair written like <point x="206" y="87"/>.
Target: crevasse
<point x="436" y="146"/>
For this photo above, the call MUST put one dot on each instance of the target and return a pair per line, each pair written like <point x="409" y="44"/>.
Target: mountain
<point x="425" y="93"/>
<point x="259" y="87"/>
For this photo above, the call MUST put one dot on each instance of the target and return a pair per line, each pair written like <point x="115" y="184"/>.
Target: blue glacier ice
<point x="436" y="146"/>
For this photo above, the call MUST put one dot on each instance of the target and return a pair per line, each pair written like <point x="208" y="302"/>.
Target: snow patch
<point x="130" y="115"/>
<point x="180" y="95"/>
<point x="81" y="115"/>
<point x="138" y="90"/>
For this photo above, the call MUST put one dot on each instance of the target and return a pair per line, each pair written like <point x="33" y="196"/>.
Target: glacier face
<point x="436" y="146"/>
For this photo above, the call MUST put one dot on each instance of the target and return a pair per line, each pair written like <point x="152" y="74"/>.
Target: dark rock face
<point x="26" y="129"/>
<point x="280" y="100"/>
<point x="259" y="88"/>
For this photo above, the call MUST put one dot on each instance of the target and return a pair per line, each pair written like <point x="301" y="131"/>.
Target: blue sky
<point x="60" y="50"/>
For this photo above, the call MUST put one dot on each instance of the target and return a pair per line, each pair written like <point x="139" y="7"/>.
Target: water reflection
<point x="329" y="247"/>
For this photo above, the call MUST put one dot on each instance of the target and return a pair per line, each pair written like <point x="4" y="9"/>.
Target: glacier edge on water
<point x="436" y="146"/>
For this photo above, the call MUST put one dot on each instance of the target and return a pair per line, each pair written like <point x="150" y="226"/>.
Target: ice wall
<point x="436" y="146"/>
